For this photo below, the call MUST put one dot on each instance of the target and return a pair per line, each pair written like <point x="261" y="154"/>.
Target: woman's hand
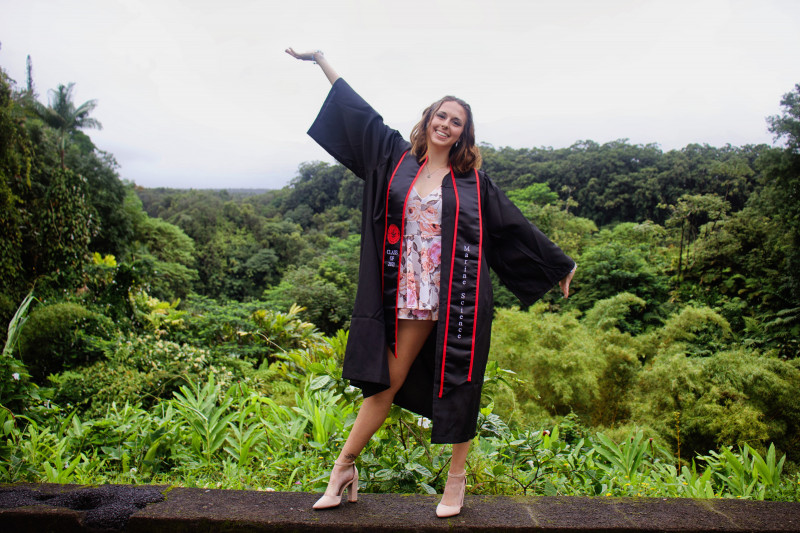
<point x="564" y="283"/>
<point x="319" y="57"/>
<point x="305" y="56"/>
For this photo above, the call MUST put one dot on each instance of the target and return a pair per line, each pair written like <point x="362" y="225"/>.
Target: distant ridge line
<point x="235" y="191"/>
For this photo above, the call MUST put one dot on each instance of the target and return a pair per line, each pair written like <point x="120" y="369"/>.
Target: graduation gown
<point x="481" y="228"/>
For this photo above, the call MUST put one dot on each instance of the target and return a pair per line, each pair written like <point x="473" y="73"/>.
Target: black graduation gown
<point x="481" y="228"/>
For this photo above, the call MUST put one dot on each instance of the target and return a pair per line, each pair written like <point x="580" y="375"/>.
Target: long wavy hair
<point x="464" y="154"/>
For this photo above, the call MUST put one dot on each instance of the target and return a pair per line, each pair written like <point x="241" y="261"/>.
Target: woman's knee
<point x="395" y="385"/>
<point x="381" y="399"/>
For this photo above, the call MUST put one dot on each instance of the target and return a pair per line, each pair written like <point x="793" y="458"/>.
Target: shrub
<point x="58" y="336"/>
<point x="139" y="370"/>
<point x="554" y="357"/>
<point x="694" y="331"/>
<point x="244" y="330"/>
<point x="624" y="260"/>
<point x="621" y="311"/>
<point x="732" y="397"/>
<point x="15" y="386"/>
<point x="7" y="307"/>
<point x="326" y="304"/>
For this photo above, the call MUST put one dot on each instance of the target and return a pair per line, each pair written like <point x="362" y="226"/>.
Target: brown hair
<point x="464" y="155"/>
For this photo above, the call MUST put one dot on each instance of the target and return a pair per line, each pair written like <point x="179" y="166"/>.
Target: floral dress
<point x="420" y="263"/>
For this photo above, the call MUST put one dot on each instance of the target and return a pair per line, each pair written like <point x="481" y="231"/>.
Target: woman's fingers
<point x="317" y="57"/>
<point x="564" y="283"/>
<point x="306" y="56"/>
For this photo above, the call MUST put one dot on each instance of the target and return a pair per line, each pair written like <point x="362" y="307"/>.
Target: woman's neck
<point x="438" y="158"/>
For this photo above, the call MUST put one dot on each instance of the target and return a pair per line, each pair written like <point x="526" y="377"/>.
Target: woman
<point x="432" y="225"/>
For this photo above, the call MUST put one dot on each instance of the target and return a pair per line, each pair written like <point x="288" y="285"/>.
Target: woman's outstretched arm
<point x="319" y="57"/>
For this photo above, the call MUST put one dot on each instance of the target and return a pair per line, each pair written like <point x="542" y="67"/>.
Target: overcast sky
<point x="201" y="94"/>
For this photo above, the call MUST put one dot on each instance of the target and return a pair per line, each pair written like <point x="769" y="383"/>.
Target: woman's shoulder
<point x="484" y="178"/>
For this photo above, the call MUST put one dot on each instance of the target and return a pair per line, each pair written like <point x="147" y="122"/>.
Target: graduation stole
<point x="462" y="247"/>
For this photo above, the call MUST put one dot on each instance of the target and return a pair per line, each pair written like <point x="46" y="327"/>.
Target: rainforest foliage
<point x="196" y="336"/>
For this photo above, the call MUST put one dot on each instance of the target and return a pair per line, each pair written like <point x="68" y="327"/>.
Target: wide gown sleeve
<point x="525" y="260"/>
<point x="349" y="129"/>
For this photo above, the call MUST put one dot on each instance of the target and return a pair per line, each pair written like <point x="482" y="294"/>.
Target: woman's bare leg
<point x="459" y="459"/>
<point x="411" y="336"/>
<point x="452" y="490"/>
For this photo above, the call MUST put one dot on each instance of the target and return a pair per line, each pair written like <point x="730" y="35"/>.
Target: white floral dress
<point x="420" y="263"/>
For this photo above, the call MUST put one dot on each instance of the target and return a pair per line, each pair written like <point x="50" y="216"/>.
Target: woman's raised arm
<point x="319" y="57"/>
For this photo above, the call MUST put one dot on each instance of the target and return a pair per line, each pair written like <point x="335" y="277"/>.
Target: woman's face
<point x="447" y="125"/>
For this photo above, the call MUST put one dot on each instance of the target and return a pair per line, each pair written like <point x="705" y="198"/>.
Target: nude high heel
<point x="446" y="511"/>
<point x="333" y="495"/>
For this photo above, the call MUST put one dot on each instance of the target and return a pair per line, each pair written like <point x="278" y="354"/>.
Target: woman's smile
<point x="447" y="125"/>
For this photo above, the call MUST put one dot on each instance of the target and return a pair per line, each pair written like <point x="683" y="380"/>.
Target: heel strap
<point x="463" y="474"/>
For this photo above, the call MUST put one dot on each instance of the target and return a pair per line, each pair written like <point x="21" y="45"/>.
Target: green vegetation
<point x="196" y="337"/>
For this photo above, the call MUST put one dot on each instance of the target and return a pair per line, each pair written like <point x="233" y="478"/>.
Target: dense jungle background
<point x="195" y="337"/>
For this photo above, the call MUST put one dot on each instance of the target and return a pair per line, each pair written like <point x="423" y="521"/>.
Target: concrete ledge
<point x="205" y="510"/>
